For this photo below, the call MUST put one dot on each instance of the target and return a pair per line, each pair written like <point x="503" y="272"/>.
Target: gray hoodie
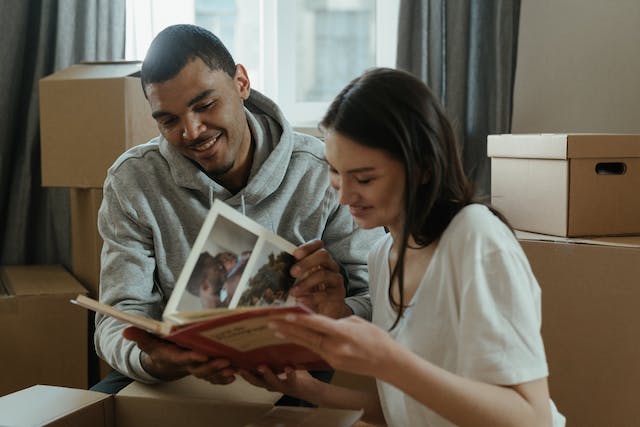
<point x="155" y="201"/>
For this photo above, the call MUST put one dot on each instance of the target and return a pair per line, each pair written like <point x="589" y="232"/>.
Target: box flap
<point x="283" y="416"/>
<point x="618" y="241"/>
<point x="21" y="280"/>
<point x="528" y="146"/>
<point x="97" y="70"/>
<point x="179" y="411"/>
<point x="563" y="146"/>
<point x="192" y="387"/>
<point x="42" y="404"/>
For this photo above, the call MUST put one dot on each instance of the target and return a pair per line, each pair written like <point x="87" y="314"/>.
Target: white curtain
<point x="146" y="18"/>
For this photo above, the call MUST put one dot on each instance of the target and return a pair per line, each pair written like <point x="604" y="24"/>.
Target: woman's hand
<point x="299" y="384"/>
<point x="350" y="344"/>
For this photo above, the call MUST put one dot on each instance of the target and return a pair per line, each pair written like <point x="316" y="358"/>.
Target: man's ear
<point x="241" y="80"/>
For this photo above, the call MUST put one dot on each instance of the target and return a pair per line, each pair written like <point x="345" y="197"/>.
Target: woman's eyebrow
<point x="354" y="170"/>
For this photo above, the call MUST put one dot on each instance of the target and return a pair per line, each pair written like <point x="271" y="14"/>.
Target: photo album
<point x="234" y="280"/>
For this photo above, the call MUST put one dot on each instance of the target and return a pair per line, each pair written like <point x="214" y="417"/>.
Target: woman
<point x="455" y="338"/>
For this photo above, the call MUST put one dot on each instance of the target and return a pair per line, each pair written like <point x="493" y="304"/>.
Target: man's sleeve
<point x="349" y="245"/>
<point x="126" y="280"/>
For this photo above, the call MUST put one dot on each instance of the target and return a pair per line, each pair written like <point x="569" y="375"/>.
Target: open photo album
<point x="234" y="280"/>
<point x="234" y="263"/>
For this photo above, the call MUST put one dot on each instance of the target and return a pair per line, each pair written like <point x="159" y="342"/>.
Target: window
<point x="300" y="53"/>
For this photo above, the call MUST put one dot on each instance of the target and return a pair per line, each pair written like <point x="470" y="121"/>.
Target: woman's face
<point x="368" y="180"/>
<point x="212" y="281"/>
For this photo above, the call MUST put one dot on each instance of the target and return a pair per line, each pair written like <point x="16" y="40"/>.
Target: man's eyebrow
<point x="200" y="97"/>
<point x="157" y="114"/>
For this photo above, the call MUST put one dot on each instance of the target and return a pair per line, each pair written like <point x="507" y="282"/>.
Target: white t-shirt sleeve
<point x="499" y="333"/>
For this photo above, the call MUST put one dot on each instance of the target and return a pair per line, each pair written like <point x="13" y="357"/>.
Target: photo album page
<point x="235" y="263"/>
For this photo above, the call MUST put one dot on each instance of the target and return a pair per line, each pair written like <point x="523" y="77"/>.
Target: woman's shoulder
<point x="476" y="215"/>
<point x="476" y="222"/>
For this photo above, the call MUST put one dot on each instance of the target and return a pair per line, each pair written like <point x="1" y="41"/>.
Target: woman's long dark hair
<point x="396" y="112"/>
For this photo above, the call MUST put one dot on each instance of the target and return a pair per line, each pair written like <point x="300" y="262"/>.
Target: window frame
<point x="276" y="77"/>
<point x="279" y="79"/>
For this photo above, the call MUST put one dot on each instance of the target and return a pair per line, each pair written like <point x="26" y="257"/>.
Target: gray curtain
<point x="38" y="38"/>
<point x="465" y="50"/>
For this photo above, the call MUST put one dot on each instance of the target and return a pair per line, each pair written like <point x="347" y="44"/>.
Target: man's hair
<point x="177" y="45"/>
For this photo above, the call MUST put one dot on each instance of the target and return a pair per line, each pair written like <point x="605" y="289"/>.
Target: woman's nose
<point x="345" y="193"/>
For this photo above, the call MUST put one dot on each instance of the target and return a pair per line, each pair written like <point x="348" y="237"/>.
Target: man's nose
<point x="193" y="127"/>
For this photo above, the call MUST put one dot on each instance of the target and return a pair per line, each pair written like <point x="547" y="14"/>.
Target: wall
<point x="578" y="67"/>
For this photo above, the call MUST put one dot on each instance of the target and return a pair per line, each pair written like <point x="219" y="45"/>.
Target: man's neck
<point x="238" y="179"/>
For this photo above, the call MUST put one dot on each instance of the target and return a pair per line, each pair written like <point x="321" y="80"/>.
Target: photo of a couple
<point x="235" y="263"/>
<point x="215" y="277"/>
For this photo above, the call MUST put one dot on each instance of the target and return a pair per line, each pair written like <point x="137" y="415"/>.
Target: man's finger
<point x="136" y="334"/>
<point x="320" y="281"/>
<point x="307" y="249"/>
<point x="157" y="348"/>
<point x="145" y="341"/>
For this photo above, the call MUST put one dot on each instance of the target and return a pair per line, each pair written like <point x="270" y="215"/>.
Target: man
<point x="219" y="139"/>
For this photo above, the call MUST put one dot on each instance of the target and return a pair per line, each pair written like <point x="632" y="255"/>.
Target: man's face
<point x="200" y="112"/>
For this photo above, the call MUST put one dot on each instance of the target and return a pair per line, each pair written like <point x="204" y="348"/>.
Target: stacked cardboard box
<point x="590" y="325"/>
<point x="567" y="184"/>
<point x="90" y="113"/>
<point x="566" y="187"/>
<point x="43" y="338"/>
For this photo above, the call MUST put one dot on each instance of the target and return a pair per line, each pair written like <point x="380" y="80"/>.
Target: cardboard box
<point x="138" y="405"/>
<point x="86" y="247"/>
<point x="590" y="325"/>
<point x="86" y="242"/>
<point x="90" y="113"/>
<point x="43" y="338"/>
<point x="567" y="184"/>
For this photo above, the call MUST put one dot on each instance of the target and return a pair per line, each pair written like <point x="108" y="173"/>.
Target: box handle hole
<point x="611" y="168"/>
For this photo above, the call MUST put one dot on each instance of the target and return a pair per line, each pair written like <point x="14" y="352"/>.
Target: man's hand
<point x="319" y="284"/>
<point x="167" y="361"/>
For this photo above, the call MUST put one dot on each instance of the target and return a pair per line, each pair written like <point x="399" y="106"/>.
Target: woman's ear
<point x="425" y="177"/>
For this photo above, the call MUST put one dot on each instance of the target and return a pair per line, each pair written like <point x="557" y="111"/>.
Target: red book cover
<point x="241" y="335"/>
<point x="245" y="338"/>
